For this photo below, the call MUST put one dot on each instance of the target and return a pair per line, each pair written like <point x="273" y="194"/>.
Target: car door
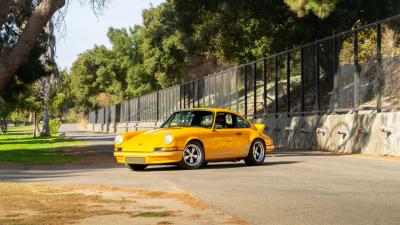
<point x="242" y="141"/>
<point x="228" y="138"/>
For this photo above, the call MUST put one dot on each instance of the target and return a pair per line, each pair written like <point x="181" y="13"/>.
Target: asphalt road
<point x="298" y="187"/>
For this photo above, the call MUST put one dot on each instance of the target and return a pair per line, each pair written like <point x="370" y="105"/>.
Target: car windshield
<point x="190" y="119"/>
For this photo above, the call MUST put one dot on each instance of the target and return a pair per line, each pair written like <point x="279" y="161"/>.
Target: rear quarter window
<point x="241" y="123"/>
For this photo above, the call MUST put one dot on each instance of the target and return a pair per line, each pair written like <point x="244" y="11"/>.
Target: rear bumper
<point x="148" y="158"/>
<point x="269" y="148"/>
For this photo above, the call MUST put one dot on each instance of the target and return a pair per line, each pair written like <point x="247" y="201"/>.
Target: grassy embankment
<point x="19" y="146"/>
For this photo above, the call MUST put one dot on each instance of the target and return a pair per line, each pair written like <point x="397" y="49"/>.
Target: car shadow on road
<point x="213" y="166"/>
<point x="290" y="153"/>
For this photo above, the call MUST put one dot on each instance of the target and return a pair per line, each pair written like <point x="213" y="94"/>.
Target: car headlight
<point x="119" y="139"/>
<point x="168" y="139"/>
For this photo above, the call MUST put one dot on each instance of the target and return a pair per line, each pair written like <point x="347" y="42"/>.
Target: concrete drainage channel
<point x="362" y="132"/>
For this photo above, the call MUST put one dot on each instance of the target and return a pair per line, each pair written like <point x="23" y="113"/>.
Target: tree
<point x="12" y="57"/>
<point x="101" y="76"/>
<point x="5" y="112"/>
<point x="35" y="15"/>
<point x="126" y="50"/>
<point x="62" y="98"/>
<point x="162" y="45"/>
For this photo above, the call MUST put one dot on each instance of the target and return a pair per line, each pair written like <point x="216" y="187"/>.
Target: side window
<point x="225" y="120"/>
<point x="229" y="121"/>
<point x="241" y="123"/>
<point x="206" y="120"/>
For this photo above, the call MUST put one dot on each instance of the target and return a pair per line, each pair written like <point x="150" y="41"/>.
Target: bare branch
<point x="96" y="5"/>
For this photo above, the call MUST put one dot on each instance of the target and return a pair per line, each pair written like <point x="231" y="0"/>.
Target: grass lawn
<point x="19" y="146"/>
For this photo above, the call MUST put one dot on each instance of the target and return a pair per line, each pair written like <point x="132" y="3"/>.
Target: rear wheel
<point x="137" y="167"/>
<point x="193" y="156"/>
<point x="256" y="154"/>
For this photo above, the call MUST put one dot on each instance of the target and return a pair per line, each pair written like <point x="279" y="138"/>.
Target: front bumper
<point x="148" y="157"/>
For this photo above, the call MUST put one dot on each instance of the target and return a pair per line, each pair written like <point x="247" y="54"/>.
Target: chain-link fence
<point x="351" y="71"/>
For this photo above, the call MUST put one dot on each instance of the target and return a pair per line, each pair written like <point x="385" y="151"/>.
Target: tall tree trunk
<point x="3" y="124"/>
<point x="46" y="119"/>
<point x="11" y="59"/>
<point x="34" y="124"/>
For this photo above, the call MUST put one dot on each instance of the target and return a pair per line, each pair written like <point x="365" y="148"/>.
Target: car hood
<point x="148" y="140"/>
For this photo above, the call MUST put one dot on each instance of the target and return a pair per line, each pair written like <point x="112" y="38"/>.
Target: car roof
<point x="211" y="109"/>
<point x="217" y="110"/>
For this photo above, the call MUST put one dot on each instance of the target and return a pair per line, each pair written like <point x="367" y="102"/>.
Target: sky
<point x="84" y="30"/>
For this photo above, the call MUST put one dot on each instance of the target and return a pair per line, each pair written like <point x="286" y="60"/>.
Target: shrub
<point x="72" y="118"/>
<point x="54" y="125"/>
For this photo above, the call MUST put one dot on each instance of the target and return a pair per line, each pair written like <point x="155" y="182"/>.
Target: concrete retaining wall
<point x="348" y="133"/>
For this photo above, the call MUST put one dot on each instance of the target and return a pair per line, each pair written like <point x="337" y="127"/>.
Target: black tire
<point x="137" y="167"/>
<point x="192" y="156"/>
<point x="204" y="164"/>
<point x="254" y="158"/>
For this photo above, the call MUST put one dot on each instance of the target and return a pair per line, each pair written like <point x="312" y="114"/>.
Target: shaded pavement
<point x="299" y="187"/>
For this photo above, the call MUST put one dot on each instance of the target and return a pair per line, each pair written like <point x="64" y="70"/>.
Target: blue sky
<point x="84" y="29"/>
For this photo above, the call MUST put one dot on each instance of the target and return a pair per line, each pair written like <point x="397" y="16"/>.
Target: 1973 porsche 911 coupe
<point x="191" y="138"/>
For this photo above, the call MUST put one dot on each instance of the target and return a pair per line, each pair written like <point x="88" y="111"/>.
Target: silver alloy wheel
<point x="192" y="155"/>
<point x="258" y="151"/>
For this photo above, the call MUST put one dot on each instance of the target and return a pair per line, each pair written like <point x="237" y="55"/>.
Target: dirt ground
<point x="85" y="204"/>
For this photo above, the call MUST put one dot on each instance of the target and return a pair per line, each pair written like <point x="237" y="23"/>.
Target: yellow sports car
<point x="191" y="138"/>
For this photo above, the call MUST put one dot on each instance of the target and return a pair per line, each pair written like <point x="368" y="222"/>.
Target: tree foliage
<point x="102" y="76"/>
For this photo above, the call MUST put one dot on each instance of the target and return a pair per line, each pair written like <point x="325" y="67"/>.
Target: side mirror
<point x="218" y="126"/>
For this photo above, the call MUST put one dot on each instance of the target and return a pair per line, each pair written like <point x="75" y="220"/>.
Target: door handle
<point x="238" y="133"/>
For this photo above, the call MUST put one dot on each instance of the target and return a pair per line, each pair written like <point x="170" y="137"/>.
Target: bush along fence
<point x="352" y="71"/>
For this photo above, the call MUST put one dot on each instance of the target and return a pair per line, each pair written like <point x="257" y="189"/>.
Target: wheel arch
<point x="255" y="139"/>
<point x="194" y="139"/>
<point x="258" y="138"/>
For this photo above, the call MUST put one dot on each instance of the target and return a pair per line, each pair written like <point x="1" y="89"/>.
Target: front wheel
<point x="256" y="154"/>
<point x="193" y="156"/>
<point x="137" y="167"/>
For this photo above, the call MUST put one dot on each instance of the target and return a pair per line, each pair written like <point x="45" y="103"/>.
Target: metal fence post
<point x="245" y="90"/>
<point x="254" y="90"/>
<point x="198" y="93"/>
<point x="229" y="88"/>
<point x="105" y="115"/>
<point x="317" y="78"/>
<point x="302" y="79"/>
<point x="356" y="72"/>
<point x="138" y="110"/>
<point x="157" y="105"/>
<point x="276" y="85"/>
<point x="237" y="89"/>
<point x="96" y="115"/>
<point x="209" y="91"/>
<point x="378" y="66"/>
<point x="184" y="96"/>
<point x="128" y="111"/>
<point x="288" y="83"/>
<point x="335" y="75"/>
<point x="264" y="86"/>
<point x="194" y="93"/>
<point x="180" y="96"/>
<point x="215" y="91"/>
